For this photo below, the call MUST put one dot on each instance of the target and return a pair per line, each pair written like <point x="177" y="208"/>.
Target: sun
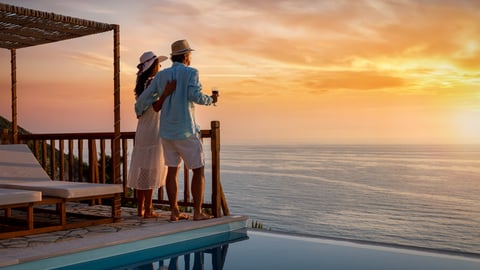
<point x="467" y="125"/>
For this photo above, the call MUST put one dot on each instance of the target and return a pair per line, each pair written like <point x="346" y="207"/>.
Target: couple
<point x="165" y="139"/>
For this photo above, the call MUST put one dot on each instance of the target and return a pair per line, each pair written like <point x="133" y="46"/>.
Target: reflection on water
<point x="217" y="259"/>
<point x="207" y="252"/>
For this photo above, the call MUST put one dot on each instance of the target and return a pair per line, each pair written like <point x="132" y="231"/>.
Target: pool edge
<point x="108" y="243"/>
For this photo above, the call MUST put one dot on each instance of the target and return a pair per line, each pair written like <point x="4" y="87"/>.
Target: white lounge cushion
<point x="19" y="169"/>
<point x="66" y="190"/>
<point x="15" y="196"/>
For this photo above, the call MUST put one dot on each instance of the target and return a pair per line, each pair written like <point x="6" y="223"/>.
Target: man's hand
<point x="214" y="96"/>
<point x="215" y="99"/>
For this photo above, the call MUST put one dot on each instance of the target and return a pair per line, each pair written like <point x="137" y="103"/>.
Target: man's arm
<point x="195" y="90"/>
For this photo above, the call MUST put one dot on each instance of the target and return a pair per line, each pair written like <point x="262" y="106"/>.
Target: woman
<point x="147" y="168"/>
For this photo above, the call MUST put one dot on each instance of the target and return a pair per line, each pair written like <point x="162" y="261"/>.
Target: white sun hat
<point x="147" y="59"/>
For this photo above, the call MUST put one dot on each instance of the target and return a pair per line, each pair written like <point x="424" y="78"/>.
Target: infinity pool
<point x="264" y="250"/>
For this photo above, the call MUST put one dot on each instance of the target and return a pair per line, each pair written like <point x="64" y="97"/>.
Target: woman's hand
<point x="169" y="88"/>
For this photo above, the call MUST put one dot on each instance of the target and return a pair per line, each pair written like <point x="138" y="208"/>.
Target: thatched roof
<point x="22" y="27"/>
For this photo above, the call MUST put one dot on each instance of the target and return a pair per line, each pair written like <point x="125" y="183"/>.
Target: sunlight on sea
<point x="414" y="195"/>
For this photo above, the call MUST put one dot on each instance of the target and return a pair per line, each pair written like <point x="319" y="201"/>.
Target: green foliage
<point x="129" y="203"/>
<point x="4" y="123"/>
<point x="208" y="211"/>
<point x="108" y="168"/>
<point x="257" y="224"/>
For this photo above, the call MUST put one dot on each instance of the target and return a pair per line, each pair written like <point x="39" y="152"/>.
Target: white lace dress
<point x="147" y="167"/>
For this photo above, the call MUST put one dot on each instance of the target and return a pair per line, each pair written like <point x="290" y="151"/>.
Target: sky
<point x="320" y="72"/>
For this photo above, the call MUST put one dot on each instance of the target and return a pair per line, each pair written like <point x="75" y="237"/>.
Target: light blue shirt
<point x="177" y="118"/>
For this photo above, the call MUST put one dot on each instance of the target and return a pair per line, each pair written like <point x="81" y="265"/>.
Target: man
<point x="179" y="132"/>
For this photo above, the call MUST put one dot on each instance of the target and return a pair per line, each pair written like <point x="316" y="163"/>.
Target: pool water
<point x="266" y="250"/>
<point x="281" y="251"/>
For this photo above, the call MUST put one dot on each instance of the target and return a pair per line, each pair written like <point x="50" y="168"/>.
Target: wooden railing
<point x="77" y="157"/>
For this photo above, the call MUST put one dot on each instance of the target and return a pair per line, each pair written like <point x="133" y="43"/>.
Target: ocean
<point x="425" y="196"/>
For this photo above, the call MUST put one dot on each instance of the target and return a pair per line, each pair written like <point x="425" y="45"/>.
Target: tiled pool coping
<point x="130" y="229"/>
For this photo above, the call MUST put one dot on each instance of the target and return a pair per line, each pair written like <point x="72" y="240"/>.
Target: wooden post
<point x="116" y="203"/>
<point x="13" y="62"/>
<point x="186" y="184"/>
<point x="61" y="159"/>
<point x="116" y="104"/>
<point x="70" y="160"/>
<point x="53" y="161"/>
<point x="219" y="196"/>
<point x="125" y="162"/>
<point x="93" y="161"/>
<point x="215" y="148"/>
<point x="103" y="173"/>
<point x="80" y="160"/>
<point x="44" y="154"/>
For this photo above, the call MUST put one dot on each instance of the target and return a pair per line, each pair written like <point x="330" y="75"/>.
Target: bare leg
<point x="172" y="192"/>
<point x="140" y="202"/>
<point x="172" y="187"/>
<point x="198" y="183"/>
<point x="149" y="213"/>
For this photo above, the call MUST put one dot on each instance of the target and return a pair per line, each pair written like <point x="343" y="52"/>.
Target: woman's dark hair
<point x="142" y="78"/>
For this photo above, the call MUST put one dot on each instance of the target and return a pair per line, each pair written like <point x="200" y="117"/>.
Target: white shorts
<point x="189" y="150"/>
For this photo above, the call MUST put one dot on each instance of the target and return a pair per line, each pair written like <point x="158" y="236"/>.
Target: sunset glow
<point x="392" y="71"/>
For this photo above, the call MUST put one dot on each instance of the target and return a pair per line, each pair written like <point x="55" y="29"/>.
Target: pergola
<point x="21" y="27"/>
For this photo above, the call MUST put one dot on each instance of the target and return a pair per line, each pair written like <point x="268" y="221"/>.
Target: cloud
<point x="352" y="55"/>
<point x="325" y="34"/>
<point x="91" y="59"/>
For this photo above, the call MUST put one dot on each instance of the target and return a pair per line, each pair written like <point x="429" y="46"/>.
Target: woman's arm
<point x="169" y="88"/>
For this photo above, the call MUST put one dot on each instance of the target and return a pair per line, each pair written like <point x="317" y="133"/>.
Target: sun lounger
<point x="12" y="199"/>
<point x="19" y="169"/>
